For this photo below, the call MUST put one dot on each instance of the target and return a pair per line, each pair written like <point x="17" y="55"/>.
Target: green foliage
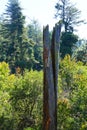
<point x="12" y="30"/>
<point x="73" y="95"/>
<point x="68" y="14"/>
<point x="29" y="129"/>
<point x="63" y="114"/>
<point x="81" y="53"/>
<point x="6" y="85"/>
<point x="21" y="97"/>
<point x="26" y="99"/>
<point x="38" y="57"/>
<point x="68" y="43"/>
<point x="15" y="47"/>
<point x="21" y="94"/>
<point x="35" y="34"/>
<point x="20" y="46"/>
<point x="67" y="71"/>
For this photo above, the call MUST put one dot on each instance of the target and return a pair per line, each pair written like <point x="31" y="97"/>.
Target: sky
<point x="44" y="11"/>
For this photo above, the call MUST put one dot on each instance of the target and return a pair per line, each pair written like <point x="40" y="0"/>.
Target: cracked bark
<point x="50" y="59"/>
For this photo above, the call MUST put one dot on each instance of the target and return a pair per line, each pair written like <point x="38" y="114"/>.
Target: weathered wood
<point x="49" y="95"/>
<point x="55" y="62"/>
<point x="50" y="58"/>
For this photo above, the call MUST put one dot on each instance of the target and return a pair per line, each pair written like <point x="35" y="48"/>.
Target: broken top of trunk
<point x="50" y="58"/>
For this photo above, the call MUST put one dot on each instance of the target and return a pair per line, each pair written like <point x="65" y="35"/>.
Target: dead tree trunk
<point x="50" y="58"/>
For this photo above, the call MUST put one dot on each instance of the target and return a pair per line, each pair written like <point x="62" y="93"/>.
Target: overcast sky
<point x="43" y="11"/>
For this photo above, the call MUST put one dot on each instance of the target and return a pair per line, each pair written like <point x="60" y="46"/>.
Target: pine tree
<point x="68" y="14"/>
<point x="35" y="34"/>
<point x="68" y="42"/>
<point x="18" y="43"/>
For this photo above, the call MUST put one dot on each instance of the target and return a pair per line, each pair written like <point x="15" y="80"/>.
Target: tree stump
<point x="50" y="59"/>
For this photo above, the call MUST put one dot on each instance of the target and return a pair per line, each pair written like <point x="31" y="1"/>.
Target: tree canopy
<point x="68" y="14"/>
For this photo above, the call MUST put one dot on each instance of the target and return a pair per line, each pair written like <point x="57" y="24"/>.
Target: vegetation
<point x="21" y="76"/>
<point x="68" y="14"/>
<point x="20" y="46"/>
<point x="81" y="53"/>
<point x="35" y="34"/>
<point x="13" y="29"/>
<point x="21" y="97"/>
<point x="72" y="97"/>
<point x="68" y="43"/>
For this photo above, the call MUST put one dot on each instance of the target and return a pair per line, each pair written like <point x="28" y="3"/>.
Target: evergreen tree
<point x="68" y="42"/>
<point x="18" y="44"/>
<point x="35" y="34"/>
<point x="68" y="14"/>
<point x="3" y="44"/>
<point x="14" y="26"/>
<point x="81" y="53"/>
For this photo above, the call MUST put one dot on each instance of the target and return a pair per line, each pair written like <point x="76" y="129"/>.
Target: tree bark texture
<point x="50" y="59"/>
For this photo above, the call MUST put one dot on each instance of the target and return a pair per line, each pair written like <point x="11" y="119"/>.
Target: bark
<point x="50" y="59"/>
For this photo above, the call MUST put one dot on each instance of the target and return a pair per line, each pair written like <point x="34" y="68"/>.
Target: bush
<point x="26" y="99"/>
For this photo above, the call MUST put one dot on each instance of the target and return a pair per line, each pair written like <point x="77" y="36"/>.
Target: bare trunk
<point x="50" y="57"/>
